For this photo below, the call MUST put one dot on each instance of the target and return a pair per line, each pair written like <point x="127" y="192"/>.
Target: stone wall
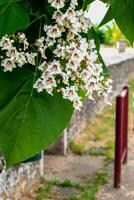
<point x="18" y="180"/>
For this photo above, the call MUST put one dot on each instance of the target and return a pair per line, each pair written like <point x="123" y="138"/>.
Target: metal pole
<point x="126" y="108"/>
<point x="118" y="141"/>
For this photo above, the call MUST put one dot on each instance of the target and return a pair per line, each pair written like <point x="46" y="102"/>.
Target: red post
<point x="118" y="141"/>
<point x="126" y="107"/>
<point x="121" y="140"/>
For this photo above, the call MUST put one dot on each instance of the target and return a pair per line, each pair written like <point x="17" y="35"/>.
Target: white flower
<point x="61" y="28"/>
<point x="83" y="45"/>
<point x="90" y="95"/>
<point x="42" y="51"/>
<point x="108" y="82"/>
<point x="50" y="41"/>
<point x="49" y="83"/>
<point x="92" y="44"/>
<point x="93" y="57"/>
<point x="8" y="64"/>
<point x="31" y="58"/>
<point x="85" y="75"/>
<point x="97" y="70"/>
<point x="71" y="48"/>
<point x="106" y="98"/>
<point x="84" y="24"/>
<point x="65" y="78"/>
<point x="54" y="67"/>
<point x="70" y="13"/>
<point x="6" y="43"/>
<point x="72" y="64"/>
<point x="49" y="90"/>
<point x="75" y="25"/>
<point x="20" y="59"/>
<point x="39" y="42"/>
<point x="77" y="104"/>
<point x="79" y="13"/>
<point x="74" y="3"/>
<point x="90" y="68"/>
<point x="91" y="84"/>
<point x="53" y="32"/>
<point x="59" y="51"/>
<point x="73" y="75"/>
<point x="43" y="66"/>
<point x="69" y="93"/>
<point x="26" y="45"/>
<point x="39" y="85"/>
<point x="22" y="37"/>
<point x="57" y="3"/>
<point x="70" y="35"/>
<point x="12" y="52"/>
<point x="77" y="56"/>
<point x="108" y="86"/>
<point x="58" y="16"/>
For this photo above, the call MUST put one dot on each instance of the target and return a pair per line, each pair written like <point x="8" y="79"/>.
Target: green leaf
<point x="105" y="69"/>
<point x="107" y="18"/>
<point x="86" y="3"/>
<point x="93" y="35"/>
<point x="123" y="12"/>
<point x="29" y="122"/>
<point x="13" y="17"/>
<point x="106" y="1"/>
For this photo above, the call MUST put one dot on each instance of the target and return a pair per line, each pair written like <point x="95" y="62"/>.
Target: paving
<point x="126" y="192"/>
<point x="74" y="167"/>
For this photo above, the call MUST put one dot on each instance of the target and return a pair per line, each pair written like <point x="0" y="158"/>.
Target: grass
<point x="96" y="151"/>
<point x="131" y="85"/>
<point x="87" y="191"/>
<point x="65" y="183"/>
<point x="45" y="191"/>
<point x="90" y="190"/>
<point x="76" y="147"/>
<point x="98" y="139"/>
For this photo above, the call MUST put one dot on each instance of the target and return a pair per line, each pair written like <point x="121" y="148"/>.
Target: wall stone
<point x="18" y="180"/>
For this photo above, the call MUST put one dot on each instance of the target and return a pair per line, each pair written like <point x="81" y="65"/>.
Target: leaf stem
<point x="34" y="21"/>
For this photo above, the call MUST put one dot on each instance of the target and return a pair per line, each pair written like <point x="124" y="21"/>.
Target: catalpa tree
<point x="50" y="62"/>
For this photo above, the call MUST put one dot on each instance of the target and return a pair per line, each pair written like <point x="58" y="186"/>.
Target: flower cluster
<point x="74" y="66"/>
<point x="13" y="57"/>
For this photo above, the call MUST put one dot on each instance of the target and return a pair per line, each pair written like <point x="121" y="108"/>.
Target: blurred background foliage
<point x="110" y="34"/>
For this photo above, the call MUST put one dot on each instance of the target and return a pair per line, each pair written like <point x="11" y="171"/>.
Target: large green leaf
<point x="123" y="12"/>
<point x="13" y="17"/>
<point x="29" y="122"/>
